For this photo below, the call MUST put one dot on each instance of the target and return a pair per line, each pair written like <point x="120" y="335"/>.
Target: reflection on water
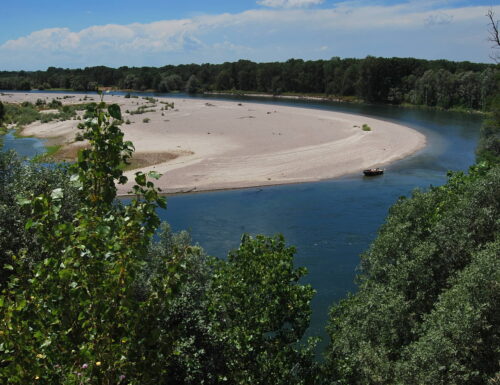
<point x="331" y="222"/>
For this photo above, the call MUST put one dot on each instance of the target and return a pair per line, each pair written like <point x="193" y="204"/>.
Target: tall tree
<point x="2" y="112"/>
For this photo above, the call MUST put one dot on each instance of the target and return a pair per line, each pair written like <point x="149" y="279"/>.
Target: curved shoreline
<point x="207" y="145"/>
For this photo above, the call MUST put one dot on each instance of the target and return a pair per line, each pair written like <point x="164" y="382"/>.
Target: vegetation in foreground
<point x="88" y="297"/>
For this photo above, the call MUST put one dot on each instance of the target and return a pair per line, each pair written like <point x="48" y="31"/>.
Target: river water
<point x="330" y="222"/>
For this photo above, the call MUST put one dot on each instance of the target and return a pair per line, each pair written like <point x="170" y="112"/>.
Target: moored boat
<point x="373" y="171"/>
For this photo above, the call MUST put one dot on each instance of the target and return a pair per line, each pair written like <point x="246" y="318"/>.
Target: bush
<point x="366" y="127"/>
<point x="55" y="104"/>
<point x="22" y="114"/>
<point x="40" y="102"/>
<point x="21" y="178"/>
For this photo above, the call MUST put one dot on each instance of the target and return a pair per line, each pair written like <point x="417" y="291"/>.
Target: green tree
<point x="21" y="178"/>
<point x="76" y="314"/>
<point x="411" y="277"/>
<point x="260" y="312"/>
<point x="2" y="112"/>
<point x="489" y="143"/>
<point x="193" y="85"/>
<point x="460" y="337"/>
<point x="224" y="81"/>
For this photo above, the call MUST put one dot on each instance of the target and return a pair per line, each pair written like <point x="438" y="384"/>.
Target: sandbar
<point x="207" y="144"/>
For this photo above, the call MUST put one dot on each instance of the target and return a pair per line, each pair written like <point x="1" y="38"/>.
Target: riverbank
<point x="201" y="145"/>
<point x="338" y="99"/>
<point x="307" y="97"/>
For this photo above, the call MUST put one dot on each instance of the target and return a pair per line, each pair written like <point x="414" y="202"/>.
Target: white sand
<point x="227" y="144"/>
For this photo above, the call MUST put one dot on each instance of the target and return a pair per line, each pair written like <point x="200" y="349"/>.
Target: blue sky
<point x="72" y="34"/>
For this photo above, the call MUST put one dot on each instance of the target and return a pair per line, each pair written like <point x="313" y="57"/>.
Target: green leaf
<point x="29" y="224"/>
<point x="65" y="274"/>
<point x="57" y="194"/>
<point x="162" y="202"/>
<point x="21" y="305"/>
<point x="22" y="201"/>
<point x="140" y="179"/>
<point x="154" y="175"/>
<point x="115" y="112"/>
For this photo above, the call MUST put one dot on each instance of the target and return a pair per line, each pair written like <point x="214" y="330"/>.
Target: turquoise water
<point x="331" y="222"/>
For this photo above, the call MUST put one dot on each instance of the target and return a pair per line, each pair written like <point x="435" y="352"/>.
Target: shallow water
<point x="25" y="147"/>
<point x="331" y="222"/>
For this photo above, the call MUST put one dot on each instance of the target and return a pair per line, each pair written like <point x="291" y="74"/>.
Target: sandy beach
<point x="201" y="145"/>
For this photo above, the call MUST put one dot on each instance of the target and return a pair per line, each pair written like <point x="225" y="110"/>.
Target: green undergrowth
<point x="25" y="113"/>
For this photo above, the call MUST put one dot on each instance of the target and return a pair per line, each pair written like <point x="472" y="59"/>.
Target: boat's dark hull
<point x="373" y="172"/>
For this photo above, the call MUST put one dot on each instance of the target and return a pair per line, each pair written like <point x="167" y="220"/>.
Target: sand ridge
<point x="205" y="144"/>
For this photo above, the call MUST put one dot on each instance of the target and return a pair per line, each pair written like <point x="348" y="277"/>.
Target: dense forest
<point x="439" y="83"/>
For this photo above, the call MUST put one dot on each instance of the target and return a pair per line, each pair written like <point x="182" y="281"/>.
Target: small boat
<point x="373" y="171"/>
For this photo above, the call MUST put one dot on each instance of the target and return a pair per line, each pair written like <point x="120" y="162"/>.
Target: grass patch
<point x="18" y="134"/>
<point x="52" y="150"/>
<point x="143" y="110"/>
<point x="49" y="154"/>
<point x="150" y="99"/>
<point x="140" y="160"/>
<point x="27" y="113"/>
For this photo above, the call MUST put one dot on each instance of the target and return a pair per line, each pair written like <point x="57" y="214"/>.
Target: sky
<point x="38" y="34"/>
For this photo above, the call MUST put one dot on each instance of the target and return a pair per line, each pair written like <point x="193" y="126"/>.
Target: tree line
<point x="437" y="83"/>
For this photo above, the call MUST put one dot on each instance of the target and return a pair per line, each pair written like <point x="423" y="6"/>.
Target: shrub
<point x="40" y="102"/>
<point x="366" y="127"/>
<point x="55" y="103"/>
<point x="22" y="114"/>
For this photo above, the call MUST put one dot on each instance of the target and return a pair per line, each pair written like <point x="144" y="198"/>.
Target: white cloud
<point x="439" y="18"/>
<point x="350" y="29"/>
<point x="289" y="3"/>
